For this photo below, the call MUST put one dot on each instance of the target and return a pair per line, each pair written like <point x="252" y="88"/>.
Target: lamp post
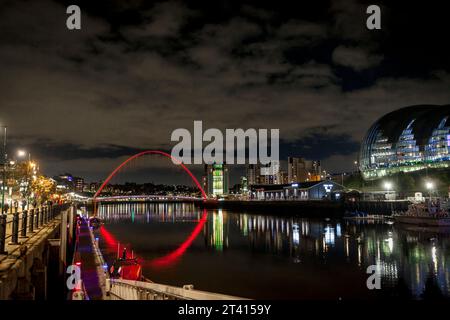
<point x="23" y="154"/>
<point x="389" y="186"/>
<point x="4" y="158"/>
<point x="430" y="186"/>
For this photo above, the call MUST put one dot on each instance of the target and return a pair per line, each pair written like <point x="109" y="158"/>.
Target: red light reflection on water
<point x="166" y="260"/>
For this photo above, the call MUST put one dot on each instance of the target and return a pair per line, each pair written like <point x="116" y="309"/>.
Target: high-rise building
<point x="266" y="174"/>
<point x="300" y="170"/>
<point x="65" y="182"/>
<point x="94" y="186"/>
<point x="270" y="173"/>
<point x="253" y="174"/>
<point x="78" y="184"/>
<point x="216" y="179"/>
<point x="281" y="177"/>
<point x="244" y="185"/>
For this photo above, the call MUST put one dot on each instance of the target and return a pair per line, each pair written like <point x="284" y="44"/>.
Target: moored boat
<point x="431" y="213"/>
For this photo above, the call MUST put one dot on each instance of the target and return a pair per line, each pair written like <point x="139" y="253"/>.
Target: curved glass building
<point x="408" y="139"/>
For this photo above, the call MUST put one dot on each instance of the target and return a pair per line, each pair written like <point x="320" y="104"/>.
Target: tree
<point x="43" y="188"/>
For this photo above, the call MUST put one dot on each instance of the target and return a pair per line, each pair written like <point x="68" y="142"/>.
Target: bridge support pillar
<point x="39" y="279"/>
<point x="63" y="243"/>
<point x="24" y="289"/>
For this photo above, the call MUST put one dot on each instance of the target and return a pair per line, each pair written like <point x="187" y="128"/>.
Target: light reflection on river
<point x="275" y="257"/>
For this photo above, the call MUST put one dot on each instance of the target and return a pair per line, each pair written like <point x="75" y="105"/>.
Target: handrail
<point x="20" y="224"/>
<point x="184" y="293"/>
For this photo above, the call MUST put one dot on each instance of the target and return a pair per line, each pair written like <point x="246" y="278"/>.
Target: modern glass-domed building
<point x="408" y="139"/>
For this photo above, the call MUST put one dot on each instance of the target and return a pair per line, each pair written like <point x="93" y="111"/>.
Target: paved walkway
<point x="13" y="250"/>
<point x="89" y="273"/>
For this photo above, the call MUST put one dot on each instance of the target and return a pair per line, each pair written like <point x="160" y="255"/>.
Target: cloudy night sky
<point x="81" y="101"/>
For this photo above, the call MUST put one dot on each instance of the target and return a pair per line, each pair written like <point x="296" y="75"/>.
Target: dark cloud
<point x="355" y="58"/>
<point x="67" y="151"/>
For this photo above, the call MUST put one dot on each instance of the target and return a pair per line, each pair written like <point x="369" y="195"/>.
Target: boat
<point x="127" y="268"/>
<point x="361" y="215"/>
<point x="371" y="217"/>
<point x="431" y="213"/>
<point x="95" y="222"/>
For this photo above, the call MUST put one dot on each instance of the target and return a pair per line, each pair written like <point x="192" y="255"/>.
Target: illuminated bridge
<point x="147" y="198"/>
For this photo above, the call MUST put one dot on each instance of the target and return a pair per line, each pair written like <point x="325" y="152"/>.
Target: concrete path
<point x="89" y="270"/>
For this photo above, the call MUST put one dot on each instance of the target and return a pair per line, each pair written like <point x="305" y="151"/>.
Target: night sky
<point x="81" y="101"/>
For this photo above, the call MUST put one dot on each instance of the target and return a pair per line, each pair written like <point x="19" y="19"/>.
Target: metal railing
<point x="17" y="225"/>
<point x="119" y="289"/>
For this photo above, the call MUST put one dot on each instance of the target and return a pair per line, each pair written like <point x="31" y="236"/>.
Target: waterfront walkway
<point x="89" y="264"/>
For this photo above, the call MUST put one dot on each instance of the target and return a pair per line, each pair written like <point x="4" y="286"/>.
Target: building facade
<point x="408" y="139"/>
<point x="253" y="174"/>
<point x="300" y="170"/>
<point x="312" y="190"/>
<point x="217" y="180"/>
<point x="78" y="184"/>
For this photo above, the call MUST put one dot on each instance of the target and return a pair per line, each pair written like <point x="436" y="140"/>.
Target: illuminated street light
<point x="31" y="172"/>
<point x="430" y="186"/>
<point x="21" y="153"/>
<point x="388" y="185"/>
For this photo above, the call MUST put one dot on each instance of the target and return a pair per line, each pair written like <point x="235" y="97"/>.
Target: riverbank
<point x="285" y="208"/>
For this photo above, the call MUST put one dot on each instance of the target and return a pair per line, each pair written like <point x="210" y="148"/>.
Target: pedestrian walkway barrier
<point x="119" y="289"/>
<point x="21" y="224"/>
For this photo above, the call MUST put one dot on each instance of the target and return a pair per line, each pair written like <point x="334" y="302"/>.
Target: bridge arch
<point x="174" y="255"/>
<point x="140" y="154"/>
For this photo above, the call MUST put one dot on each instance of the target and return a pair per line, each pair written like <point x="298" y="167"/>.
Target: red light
<point x="78" y="263"/>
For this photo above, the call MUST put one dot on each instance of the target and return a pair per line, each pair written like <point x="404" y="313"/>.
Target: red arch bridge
<point x="148" y="198"/>
<point x="171" y="257"/>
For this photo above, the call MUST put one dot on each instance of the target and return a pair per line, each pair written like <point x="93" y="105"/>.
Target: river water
<point x="277" y="257"/>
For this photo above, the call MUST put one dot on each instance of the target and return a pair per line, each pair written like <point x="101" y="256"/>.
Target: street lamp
<point x="389" y="186"/>
<point x="30" y="169"/>
<point x="430" y="186"/>
<point x="4" y="161"/>
<point x="22" y="154"/>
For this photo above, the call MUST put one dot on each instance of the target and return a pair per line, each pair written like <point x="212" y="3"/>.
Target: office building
<point x="217" y="180"/>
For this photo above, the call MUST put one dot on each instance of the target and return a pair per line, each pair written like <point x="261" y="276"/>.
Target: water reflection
<point x="412" y="262"/>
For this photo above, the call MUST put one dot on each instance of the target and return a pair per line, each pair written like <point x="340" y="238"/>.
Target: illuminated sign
<point x="328" y="187"/>
<point x="294" y="185"/>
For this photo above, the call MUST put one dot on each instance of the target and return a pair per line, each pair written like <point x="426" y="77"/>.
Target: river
<point x="276" y="257"/>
